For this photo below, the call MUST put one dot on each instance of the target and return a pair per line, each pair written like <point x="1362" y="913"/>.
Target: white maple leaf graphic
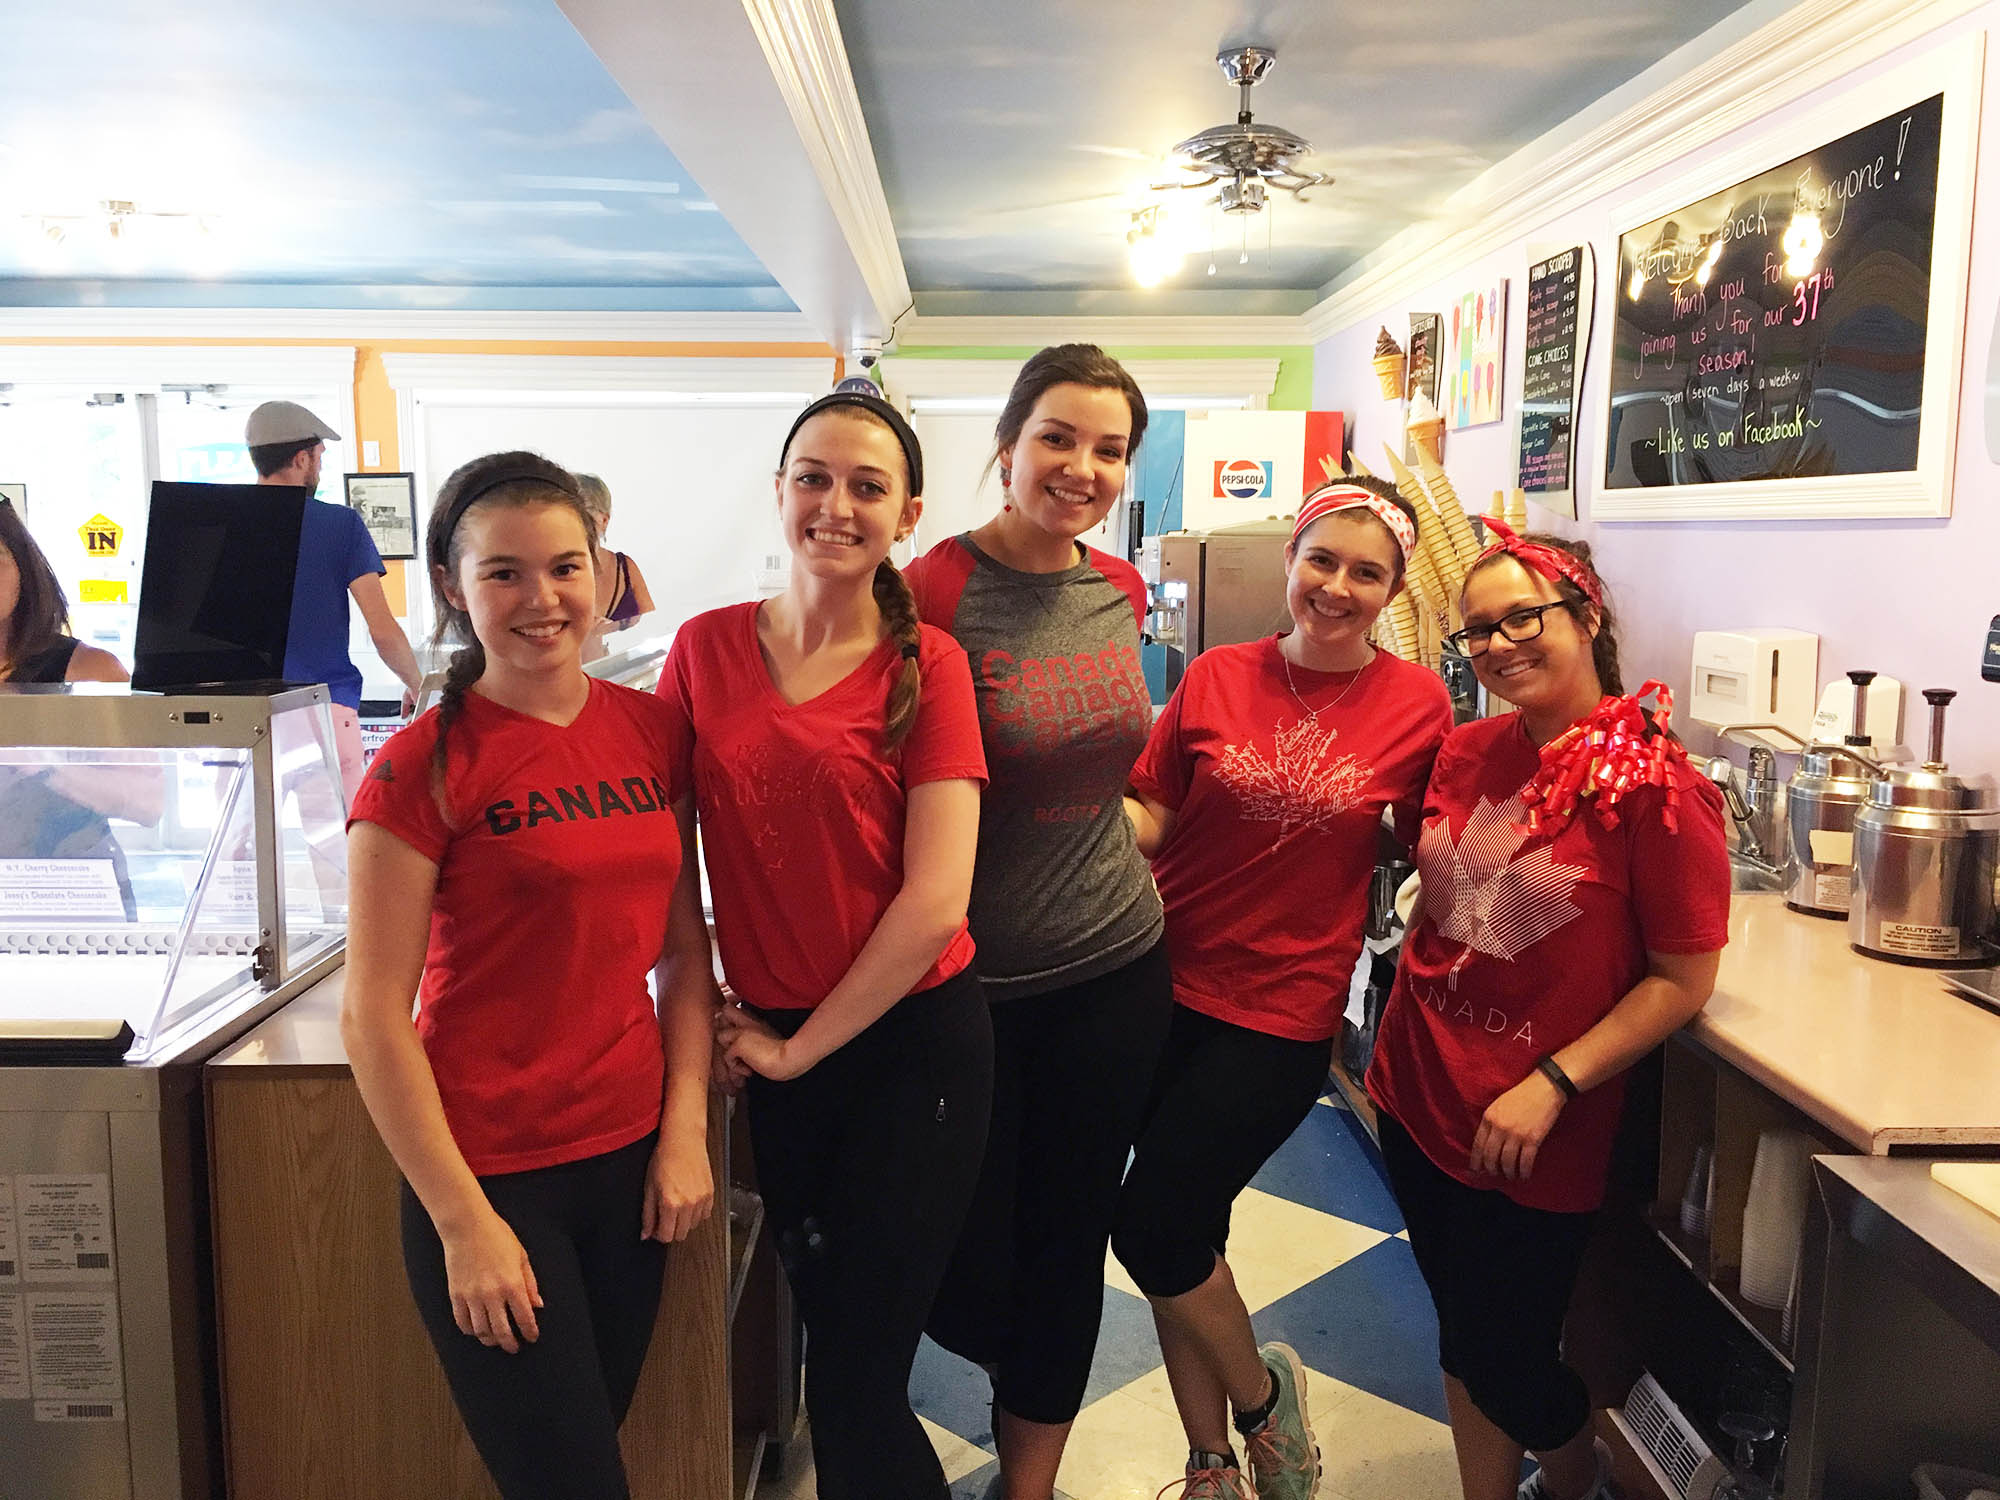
<point x="1477" y="893"/>
<point x="1304" y="785"/>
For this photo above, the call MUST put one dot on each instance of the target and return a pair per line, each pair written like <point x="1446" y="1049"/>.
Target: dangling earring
<point x="1006" y="482"/>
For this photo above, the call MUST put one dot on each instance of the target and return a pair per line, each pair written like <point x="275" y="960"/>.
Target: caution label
<point x="101" y="536"/>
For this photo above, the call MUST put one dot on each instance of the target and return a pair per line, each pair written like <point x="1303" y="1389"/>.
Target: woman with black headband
<point x="516" y="850"/>
<point x="837" y="770"/>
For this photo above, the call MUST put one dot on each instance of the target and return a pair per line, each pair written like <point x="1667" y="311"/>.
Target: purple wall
<point x="1909" y="598"/>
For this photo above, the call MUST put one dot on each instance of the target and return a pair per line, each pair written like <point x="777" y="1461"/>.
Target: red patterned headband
<point x="1550" y="562"/>
<point x="1329" y="498"/>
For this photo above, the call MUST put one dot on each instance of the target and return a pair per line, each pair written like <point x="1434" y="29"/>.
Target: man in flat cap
<point x="337" y="561"/>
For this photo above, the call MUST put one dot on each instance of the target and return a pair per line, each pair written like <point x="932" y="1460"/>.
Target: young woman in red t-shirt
<point x="1575" y="902"/>
<point x="515" y="868"/>
<point x="836" y="771"/>
<point x="1260" y="801"/>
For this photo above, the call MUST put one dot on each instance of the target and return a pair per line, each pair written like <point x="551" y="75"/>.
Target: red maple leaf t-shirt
<point x="554" y="875"/>
<point x="1265" y="876"/>
<point x="802" y="805"/>
<point x="1524" y="942"/>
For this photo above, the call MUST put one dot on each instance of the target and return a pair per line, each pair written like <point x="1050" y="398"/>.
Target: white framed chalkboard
<point x="1786" y="328"/>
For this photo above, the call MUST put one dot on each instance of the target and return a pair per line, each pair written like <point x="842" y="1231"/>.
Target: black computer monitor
<point x="215" y="592"/>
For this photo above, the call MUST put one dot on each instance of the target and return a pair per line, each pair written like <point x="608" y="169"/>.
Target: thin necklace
<point x="1311" y="712"/>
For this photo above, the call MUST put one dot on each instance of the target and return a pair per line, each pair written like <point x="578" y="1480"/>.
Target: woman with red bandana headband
<point x="1071" y="954"/>
<point x="1260" y="800"/>
<point x="1575" y="903"/>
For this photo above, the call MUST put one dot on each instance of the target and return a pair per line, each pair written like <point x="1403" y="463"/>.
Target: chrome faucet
<point x="1752" y="807"/>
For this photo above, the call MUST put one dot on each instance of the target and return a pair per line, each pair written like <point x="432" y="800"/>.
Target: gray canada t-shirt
<point x="1061" y="893"/>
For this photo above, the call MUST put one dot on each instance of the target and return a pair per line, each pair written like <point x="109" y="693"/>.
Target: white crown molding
<point x="801" y="41"/>
<point x="433" y="375"/>
<point x="440" y="324"/>
<point x="1808" y="47"/>
<point x="920" y="379"/>
<point x="321" y="368"/>
<point x="1035" y="332"/>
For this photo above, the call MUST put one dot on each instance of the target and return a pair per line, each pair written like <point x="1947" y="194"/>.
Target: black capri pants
<point x="546" y="1420"/>
<point x="1501" y="1275"/>
<point x="866" y="1163"/>
<point x="1226" y="1098"/>
<point x="1025" y="1292"/>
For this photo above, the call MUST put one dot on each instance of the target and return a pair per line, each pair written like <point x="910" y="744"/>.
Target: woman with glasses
<point x="1575" y="902"/>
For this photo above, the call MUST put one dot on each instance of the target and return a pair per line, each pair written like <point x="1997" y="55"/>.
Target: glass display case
<point x="163" y="860"/>
<point x="172" y="871"/>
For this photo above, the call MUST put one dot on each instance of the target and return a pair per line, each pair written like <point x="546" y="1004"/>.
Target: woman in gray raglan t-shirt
<point x="1068" y="925"/>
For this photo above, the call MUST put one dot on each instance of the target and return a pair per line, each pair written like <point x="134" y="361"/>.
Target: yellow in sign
<point x="101" y="536"/>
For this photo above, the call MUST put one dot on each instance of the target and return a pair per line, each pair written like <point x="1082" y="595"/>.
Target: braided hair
<point x="1603" y="645"/>
<point x="497" y="479"/>
<point x="891" y="589"/>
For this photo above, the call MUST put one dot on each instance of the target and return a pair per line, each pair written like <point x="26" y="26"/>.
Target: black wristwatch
<point x="1550" y="1069"/>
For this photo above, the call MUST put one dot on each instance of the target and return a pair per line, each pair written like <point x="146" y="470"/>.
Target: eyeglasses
<point x="1521" y="625"/>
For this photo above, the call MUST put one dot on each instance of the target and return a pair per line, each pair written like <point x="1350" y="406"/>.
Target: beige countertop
<point x="1882" y="1054"/>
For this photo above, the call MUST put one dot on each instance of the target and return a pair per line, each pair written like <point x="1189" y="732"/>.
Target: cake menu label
<point x="1777" y="329"/>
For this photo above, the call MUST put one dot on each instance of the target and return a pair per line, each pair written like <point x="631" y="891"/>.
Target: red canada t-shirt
<point x="1526" y="942"/>
<point x="1265" y="876"/>
<point x="550" y="913"/>
<point x="802" y="805"/>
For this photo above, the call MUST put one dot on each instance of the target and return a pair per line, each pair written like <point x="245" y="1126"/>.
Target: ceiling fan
<point x="1240" y="160"/>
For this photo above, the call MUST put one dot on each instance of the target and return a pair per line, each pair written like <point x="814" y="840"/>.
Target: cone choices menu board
<point x="1777" y="329"/>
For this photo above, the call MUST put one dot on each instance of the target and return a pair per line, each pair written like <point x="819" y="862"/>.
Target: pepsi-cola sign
<point x="1242" y="479"/>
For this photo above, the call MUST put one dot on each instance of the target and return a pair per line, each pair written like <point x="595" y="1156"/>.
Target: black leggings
<point x="1226" y="1098"/>
<point x="1500" y="1275"/>
<point x="546" y="1420"/>
<point x="866" y="1163"/>
<point x="1073" y="1071"/>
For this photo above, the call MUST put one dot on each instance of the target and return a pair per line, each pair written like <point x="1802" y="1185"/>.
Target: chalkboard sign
<point x="1790" y="345"/>
<point x="1558" y="331"/>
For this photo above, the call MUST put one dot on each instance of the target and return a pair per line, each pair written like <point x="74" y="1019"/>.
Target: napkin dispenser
<point x="1756" y="676"/>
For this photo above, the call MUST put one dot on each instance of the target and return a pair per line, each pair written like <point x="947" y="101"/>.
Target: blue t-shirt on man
<point x="334" y="550"/>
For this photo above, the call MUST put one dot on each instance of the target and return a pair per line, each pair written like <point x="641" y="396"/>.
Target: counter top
<point x="301" y="1039"/>
<point x="1881" y="1054"/>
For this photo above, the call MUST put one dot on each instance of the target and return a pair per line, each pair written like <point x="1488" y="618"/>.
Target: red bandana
<point x="1618" y="746"/>
<point x="1551" y="562"/>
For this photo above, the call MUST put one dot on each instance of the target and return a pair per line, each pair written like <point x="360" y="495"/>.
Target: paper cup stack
<point x="1774" y="1216"/>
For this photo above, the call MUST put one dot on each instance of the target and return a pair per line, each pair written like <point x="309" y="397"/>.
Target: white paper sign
<point x="10" y="1245"/>
<point x="73" y="1350"/>
<point x="65" y="1227"/>
<point x="13" y="1349"/>
<point x="59" y="888"/>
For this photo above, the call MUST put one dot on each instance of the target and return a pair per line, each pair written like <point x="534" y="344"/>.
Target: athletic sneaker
<point x="1533" y="1487"/>
<point x="1282" y="1453"/>
<point x="1211" y="1476"/>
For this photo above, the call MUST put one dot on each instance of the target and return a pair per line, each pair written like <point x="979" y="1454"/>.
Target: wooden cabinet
<point x="330" y="1387"/>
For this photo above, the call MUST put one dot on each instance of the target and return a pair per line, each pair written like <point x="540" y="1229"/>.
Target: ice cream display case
<point x="172" y="871"/>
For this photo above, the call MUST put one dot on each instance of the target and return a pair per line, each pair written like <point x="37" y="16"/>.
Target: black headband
<point x="875" y="406"/>
<point x="513" y="474"/>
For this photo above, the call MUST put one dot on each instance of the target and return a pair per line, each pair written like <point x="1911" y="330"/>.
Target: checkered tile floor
<point x="1316" y="1247"/>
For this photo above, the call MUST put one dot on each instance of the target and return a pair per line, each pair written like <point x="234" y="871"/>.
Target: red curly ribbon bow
<point x="1618" y="746"/>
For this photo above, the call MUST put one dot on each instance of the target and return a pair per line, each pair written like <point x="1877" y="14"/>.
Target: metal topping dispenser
<point x="1925" y="850"/>
<point x="1824" y="797"/>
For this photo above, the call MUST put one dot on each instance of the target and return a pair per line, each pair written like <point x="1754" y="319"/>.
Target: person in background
<point x="1069" y="926"/>
<point x="515" y="867"/>
<point x="1575" y="901"/>
<point x="35" y="643"/>
<point x="622" y="595"/>
<point x="1260" y="801"/>
<point x="337" y="561"/>
<point x="837" y="768"/>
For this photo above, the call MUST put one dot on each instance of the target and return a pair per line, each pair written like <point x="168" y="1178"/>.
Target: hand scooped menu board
<point x="1777" y="330"/>
<point x="1558" y="332"/>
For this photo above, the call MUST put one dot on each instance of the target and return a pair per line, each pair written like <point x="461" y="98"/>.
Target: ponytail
<point x="899" y="613"/>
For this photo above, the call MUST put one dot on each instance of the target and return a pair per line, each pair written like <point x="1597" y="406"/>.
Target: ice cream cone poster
<point x="1426" y="345"/>
<point x="1476" y="328"/>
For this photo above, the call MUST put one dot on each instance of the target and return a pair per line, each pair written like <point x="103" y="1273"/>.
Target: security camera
<point x="866" y="353"/>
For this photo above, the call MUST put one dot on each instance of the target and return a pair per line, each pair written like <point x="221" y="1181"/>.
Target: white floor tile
<point x="1276" y="1246"/>
<point x="958" y="1456"/>
<point x="1375" y="1450"/>
<point x="1122" y="1448"/>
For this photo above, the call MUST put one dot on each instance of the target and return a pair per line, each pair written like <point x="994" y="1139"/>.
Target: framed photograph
<point x="388" y="506"/>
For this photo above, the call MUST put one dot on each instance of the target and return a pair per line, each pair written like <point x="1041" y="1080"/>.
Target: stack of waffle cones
<point x="1426" y="427"/>
<point x="1418" y="619"/>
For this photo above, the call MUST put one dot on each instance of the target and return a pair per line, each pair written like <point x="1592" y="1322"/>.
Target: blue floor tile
<point x="1369" y="1323"/>
<point x="1330" y="1164"/>
<point x="1128" y="1346"/>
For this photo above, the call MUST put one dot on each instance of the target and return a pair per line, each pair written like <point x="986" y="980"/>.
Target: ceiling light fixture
<point x="1154" y="257"/>
<point x="124" y="234"/>
<point x="1244" y="160"/>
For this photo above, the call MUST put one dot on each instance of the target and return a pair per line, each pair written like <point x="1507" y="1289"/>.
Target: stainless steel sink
<point x="1746" y="874"/>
